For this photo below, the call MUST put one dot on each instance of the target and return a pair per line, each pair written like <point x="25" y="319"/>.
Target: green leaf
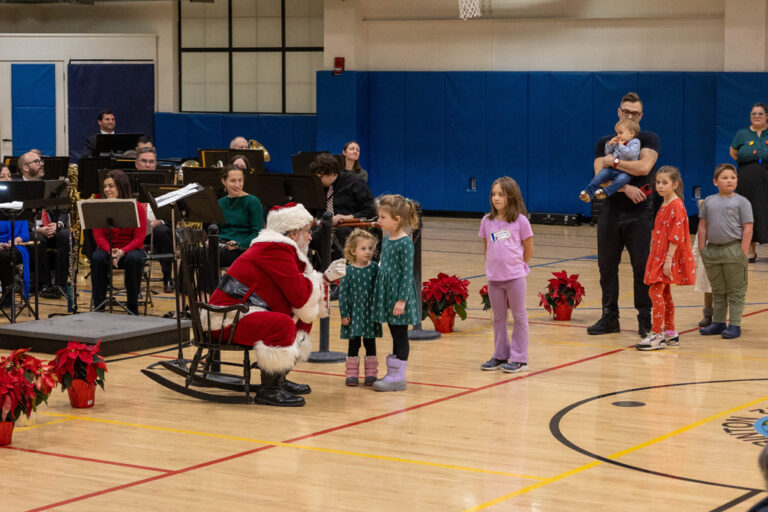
<point x="460" y="310"/>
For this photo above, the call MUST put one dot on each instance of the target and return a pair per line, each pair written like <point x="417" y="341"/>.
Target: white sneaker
<point x="672" y="340"/>
<point x="652" y="342"/>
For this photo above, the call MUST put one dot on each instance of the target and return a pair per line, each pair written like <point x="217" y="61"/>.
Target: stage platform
<point x="118" y="333"/>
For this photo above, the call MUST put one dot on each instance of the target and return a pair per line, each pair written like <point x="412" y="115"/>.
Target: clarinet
<point x="75" y="232"/>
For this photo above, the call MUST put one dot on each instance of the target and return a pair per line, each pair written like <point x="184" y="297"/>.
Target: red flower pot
<point x="6" y="432"/>
<point x="81" y="394"/>
<point x="562" y="312"/>
<point x="444" y="322"/>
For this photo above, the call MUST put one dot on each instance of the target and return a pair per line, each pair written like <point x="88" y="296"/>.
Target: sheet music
<point x="14" y="205"/>
<point x="177" y="195"/>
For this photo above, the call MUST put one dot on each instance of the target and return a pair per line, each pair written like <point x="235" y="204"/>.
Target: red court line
<point x="409" y="382"/>
<point x="318" y="433"/>
<point x="87" y="459"/>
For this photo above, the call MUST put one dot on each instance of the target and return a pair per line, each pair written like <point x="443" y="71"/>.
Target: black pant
<point x="131" y="262"/>
<point x="227" y="257"/>
<point x="7" y="268"/>
<point x="400" y="344"/>
<point x="163" y="244"/>
<point x="616" y="230"/>
<point x="61" y="242"/>
<point x="354" y="346"/>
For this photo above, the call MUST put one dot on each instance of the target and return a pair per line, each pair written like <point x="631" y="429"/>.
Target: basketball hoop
<point x="469" y="9"/>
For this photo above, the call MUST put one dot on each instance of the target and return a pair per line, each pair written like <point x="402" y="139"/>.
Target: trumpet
<point x="254" y="144"/>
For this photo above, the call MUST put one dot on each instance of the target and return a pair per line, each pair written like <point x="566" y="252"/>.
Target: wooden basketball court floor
<point x="593" y="425"/>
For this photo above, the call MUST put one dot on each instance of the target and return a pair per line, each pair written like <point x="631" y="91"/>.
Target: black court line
<point x="736" y="501"/>
<point x="554" y="428"/>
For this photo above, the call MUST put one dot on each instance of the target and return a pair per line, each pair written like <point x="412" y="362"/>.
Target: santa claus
<point x="285" y="295"/>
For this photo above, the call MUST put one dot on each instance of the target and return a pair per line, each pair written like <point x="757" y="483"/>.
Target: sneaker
<point x="600" y="194"/>
<point x="492" y="364"/>
<point x="584" y="196"/>
<point x="168" y="286"/>
<point x="672" y="340"/>
<point x="514" y="367"/>
<point x="652" y="342"/>
<point x="606" y="324"/>
<point x="50" y="292"/>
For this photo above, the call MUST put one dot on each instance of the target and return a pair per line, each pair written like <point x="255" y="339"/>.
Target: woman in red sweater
<point x="127" y="247"/>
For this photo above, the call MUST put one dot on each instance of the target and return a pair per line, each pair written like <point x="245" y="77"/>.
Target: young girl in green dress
<point x="394" y="297"/>
<point x="355" y="298"/>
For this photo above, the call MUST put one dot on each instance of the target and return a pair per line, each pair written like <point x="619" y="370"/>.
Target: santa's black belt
<point x="237" y="290"/>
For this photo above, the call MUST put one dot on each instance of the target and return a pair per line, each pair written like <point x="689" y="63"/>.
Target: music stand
<point x="300" y="161"/>
<point x="136" y="177"/>
<point x="88" y="174"/>
<point x="55" y="167"/>
<point x="116" y="143"/>
<point x="277" y="189"/>
<point x="208" y="177"/>
<point x="255" y="158"/>
<point x="31" y="196"/>
<point x="211" y="157"/>
<point x="109" y="214"/>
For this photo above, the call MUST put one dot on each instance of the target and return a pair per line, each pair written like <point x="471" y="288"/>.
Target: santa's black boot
<point x="294" y="387"/>
<point x="271" y="392"/>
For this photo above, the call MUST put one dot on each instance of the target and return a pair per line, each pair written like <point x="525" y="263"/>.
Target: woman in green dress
<point x="394" y="297"/>
<point x="243" y="214"/>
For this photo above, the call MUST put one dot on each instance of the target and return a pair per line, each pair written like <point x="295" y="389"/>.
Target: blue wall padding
<point x="128" y="90"/>
<point x="181" y="135"/>
<point x="430" y="132"/>
<point x="425" y="178"/>
<point x="33" y="108"/>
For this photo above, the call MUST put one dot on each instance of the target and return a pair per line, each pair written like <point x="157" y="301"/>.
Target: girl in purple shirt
<point x="508" y="245"/>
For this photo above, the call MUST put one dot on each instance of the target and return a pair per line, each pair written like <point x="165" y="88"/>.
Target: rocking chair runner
<point x="196" y="286"/>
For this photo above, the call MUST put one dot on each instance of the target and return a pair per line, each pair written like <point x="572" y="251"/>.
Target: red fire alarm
<point x="338" y="65"/>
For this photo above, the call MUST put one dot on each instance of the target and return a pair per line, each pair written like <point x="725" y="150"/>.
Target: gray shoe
<point x="492" y="364"/>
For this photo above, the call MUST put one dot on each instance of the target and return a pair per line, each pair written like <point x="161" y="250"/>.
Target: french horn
<point x="254" y="144"/>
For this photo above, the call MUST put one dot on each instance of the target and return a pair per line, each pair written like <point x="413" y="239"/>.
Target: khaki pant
<point x="726" y="269"/>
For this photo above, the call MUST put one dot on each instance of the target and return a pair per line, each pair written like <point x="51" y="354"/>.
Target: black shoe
<point x="607" y="324"/>
<point x="294" y="387"/>
<point x="50" y="292"/>
<point x="168" y="286"/>
<point x="271" y="393"/>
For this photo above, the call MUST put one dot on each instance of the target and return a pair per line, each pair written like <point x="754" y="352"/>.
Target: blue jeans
<point x="620" y="178"/>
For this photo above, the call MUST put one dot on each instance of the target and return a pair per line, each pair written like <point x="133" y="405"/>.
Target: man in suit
<point x="106" y="121"/>
<point x="52" y="233"/>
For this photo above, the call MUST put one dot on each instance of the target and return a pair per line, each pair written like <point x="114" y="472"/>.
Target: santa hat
<point x="292" y="216"/>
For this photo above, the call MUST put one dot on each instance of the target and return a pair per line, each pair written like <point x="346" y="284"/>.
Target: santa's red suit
<point x="277" y="271"/>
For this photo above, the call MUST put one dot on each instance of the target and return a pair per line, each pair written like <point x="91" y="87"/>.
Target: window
<point x="250" y="55"/>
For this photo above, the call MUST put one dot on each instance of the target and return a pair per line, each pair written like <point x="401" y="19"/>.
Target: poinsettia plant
<point x="39" y="376"/>
<point x="17" y="394"/>
<point x="443" y="292"/>
<point x="484" y="297"/>
<point x="563" y="289"/>
<point x="80" y="361"/>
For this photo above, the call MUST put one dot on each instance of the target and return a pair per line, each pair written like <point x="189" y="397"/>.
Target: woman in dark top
<point x="127" y="247"/>
<point x="750" y="150"/>
<point x="243" y="213"/>
<point x="351" y="154"/>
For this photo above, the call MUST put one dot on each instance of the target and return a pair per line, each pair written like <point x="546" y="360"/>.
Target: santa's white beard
<point x="304" y="248"/>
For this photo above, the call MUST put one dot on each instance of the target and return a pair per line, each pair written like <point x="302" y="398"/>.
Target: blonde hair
<point x="674" y="175"/>
<point x="629" y="124"/>
<point x="353" y="240"/>
<point x="515" y="204"/>
<point x="399" y="206"/>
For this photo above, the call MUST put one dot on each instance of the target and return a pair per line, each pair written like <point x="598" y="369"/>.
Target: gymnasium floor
<point x="594" y="424"/>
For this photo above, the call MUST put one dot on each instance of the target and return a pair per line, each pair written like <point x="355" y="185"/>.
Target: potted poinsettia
<point x="79" y="368"/>
<point x="564" y="293"/>
<point x="35" y="371"/>
<point x="17" y="396"/>
<point x="442" y="298"/>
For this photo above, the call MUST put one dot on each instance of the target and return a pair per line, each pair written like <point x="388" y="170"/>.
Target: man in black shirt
<point x="626" y="220"/>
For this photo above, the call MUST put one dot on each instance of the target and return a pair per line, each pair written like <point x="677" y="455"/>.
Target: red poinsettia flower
<point x="80" y="361"/>
<point x="443" y="292"/>
<point x="563" y="289"/>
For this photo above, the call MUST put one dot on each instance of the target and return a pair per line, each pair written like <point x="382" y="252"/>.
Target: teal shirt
<point x="750" y="147"/>
<point x="395" y="282"/>
<point x="244" y="217"/>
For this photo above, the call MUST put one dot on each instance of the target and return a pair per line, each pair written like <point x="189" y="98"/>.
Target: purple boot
<point x="394" y="380"/>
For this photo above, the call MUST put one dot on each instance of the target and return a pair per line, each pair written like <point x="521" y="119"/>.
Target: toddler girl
<point x="725" y="233"/>
<point x="355" y="298"/>
<point x="508" y="246"/>
<point x="394" y="298"/>
<point x="670" y="260"/>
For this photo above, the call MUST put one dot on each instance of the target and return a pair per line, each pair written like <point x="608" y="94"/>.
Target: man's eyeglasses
<point x="35" y="161"/>
<point x="631" y="113"/>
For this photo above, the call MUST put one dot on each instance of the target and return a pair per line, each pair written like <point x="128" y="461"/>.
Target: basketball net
<point x="469" y="9"/>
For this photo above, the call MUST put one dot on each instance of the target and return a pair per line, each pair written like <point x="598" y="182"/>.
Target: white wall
<point x="557" y="35"/>
<point x="107" y="21"/>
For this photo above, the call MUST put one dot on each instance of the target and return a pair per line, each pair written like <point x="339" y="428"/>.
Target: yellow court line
<point x="616" y="455"/>
<point x="297" y="446"/>
<point x="54" y="422"/>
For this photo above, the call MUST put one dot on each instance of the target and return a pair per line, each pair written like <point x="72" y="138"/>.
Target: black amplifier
<point x="558" y="219"/>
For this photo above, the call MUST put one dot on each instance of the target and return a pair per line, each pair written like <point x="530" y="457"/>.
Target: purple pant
<point x="516" y="349"/>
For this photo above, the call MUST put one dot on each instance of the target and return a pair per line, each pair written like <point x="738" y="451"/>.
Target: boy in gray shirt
<point x="725" y="232"/>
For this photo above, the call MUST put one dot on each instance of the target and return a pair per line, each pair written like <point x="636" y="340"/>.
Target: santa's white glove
<point x="336" y="270"/>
